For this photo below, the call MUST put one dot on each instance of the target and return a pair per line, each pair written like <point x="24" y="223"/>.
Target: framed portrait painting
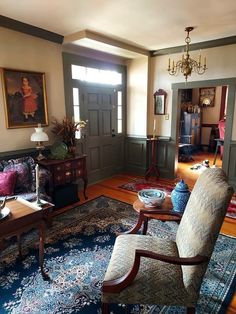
<point x="159" y="102"/>
<point x="25" y="98"/>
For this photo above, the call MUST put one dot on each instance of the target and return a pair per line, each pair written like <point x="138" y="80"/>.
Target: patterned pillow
<point x="7" y="183"/>
<point x="23" y="176"/>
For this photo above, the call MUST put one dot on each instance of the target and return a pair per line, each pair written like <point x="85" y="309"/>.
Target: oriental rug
<point x="77" y="251"/>
<point x="167" y="186"/>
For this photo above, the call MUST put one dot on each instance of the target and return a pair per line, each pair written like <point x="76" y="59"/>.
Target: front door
<point x="104" y="146"/>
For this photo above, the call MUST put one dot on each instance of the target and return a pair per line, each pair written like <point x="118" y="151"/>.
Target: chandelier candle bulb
<point x="200" y="60"/>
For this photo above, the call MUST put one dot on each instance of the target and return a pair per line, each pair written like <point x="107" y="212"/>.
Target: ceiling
<point x="148" y="24"/>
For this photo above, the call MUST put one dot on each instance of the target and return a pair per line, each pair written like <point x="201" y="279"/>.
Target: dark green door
<point x="104" y="147"/>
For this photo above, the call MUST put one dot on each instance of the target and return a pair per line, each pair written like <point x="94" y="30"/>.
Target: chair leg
<point x="191" y="310"/>
<point x="105" y="308"/>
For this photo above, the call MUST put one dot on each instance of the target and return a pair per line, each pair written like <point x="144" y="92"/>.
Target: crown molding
<point x="30" y="29"/>
<point x="201" y="45"/>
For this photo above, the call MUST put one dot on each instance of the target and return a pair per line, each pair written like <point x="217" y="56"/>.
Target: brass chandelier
<point x="187" y="65"/>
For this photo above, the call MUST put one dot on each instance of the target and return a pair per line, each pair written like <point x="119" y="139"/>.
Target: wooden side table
<point x="65" y="171"/>
<point x="163" y="213"/>
<point x="153" y="167"/>
<point x="23" y="218"/>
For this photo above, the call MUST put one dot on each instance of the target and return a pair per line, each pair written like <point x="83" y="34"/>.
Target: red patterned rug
<point x="167" y="186"/>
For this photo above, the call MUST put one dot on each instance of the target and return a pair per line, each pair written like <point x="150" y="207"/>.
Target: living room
<point x="33" y="41"/>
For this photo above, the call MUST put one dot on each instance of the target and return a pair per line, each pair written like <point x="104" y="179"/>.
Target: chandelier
<point x="187" y="65"/>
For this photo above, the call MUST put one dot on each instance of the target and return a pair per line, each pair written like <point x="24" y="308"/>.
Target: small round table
<point x="163" y="213"/>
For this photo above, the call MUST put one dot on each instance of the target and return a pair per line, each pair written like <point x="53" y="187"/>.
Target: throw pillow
<point x="23" y="178"/>
<point x="7" y="183"/>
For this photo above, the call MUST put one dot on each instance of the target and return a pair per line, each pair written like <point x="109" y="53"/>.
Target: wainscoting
<point x="138" y="156"/>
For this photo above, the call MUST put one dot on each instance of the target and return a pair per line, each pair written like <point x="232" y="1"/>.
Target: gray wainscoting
<point x="138" y="156"/>
<point x="232" y="164"/>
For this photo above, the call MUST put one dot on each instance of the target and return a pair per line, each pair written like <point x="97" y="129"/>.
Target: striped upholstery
<point x="163" y="283"/>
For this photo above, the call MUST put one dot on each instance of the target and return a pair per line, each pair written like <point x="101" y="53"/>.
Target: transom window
<point x="94" y="75"/>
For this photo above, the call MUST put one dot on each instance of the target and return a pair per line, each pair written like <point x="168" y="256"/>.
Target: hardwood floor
<point x="110" y="187"/>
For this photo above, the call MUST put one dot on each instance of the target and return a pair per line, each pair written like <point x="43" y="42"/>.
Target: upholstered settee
<point x="17" y="178"/>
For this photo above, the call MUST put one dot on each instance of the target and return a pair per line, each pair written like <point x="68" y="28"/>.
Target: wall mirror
<point x="159" y="102"/>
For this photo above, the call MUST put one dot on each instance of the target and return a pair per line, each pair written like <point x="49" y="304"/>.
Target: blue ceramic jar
<point x="180" y="196"/>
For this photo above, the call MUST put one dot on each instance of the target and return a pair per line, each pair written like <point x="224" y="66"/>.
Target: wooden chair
<point x="153" y="270"/>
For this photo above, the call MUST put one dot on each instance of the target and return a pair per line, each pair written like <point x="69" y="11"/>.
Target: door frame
<point x="176" y="87"/>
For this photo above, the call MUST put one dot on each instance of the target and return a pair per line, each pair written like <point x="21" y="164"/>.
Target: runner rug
<point x="167" y="186"/>
<point x="77" y="251"/>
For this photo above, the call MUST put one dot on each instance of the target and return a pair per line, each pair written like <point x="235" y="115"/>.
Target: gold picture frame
<point x="25" y="98"/>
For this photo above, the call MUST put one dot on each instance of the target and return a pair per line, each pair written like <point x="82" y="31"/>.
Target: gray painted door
<point x="104" y="147"/>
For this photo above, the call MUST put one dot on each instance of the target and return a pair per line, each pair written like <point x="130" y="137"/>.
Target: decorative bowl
<point x="151" y="197"/>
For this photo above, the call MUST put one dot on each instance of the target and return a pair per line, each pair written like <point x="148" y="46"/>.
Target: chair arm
<point x="117" y="285"/>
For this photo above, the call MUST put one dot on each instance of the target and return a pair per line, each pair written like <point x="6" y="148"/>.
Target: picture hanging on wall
<point x="25" y="98"/>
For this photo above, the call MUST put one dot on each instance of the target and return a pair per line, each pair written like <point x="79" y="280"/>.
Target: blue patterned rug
<point x="77" y="252"/>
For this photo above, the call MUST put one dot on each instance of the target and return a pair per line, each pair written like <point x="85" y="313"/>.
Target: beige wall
<point x="220" y="62"/>
<point x="137" y="77"/>
<point x="24" y="52"/>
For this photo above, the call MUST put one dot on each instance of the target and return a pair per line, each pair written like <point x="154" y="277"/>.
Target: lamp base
<point x="40" y="155"/>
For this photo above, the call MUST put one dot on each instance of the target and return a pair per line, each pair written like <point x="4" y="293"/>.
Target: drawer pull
<point x="58" y="168"/>
<point x="68" y="173"/>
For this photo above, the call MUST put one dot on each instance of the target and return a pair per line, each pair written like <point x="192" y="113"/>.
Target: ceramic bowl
<point x="151" y="197"/>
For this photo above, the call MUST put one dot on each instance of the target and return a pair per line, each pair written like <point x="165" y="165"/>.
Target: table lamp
<point x="39" y="136"/>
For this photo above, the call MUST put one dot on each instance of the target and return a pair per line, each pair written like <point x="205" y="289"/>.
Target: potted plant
<point x="66" y="130"/>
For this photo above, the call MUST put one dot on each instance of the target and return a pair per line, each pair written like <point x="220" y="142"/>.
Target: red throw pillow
<point x="7" y="183"/>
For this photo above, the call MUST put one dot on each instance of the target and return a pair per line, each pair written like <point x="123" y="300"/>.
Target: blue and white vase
<point x="180" y="196"/>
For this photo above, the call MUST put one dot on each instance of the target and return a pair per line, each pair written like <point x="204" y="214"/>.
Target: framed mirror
<point x="160" y="102"/>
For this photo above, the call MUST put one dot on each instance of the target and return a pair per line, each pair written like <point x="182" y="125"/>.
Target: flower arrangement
<point x="67" y="129"/>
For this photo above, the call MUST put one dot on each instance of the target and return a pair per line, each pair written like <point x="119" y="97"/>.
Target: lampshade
<point x="39" y="135"/>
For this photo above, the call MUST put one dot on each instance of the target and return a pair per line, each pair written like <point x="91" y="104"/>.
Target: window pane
<point x="92" y="75"/>
<point x="76" y="113"/>
<point x="119" y="112"/>
<point x="119" y="126"/>
<point x="119" y="98"/>
<point x="78" y="134"/>
<point x="96" y="75"/>
<point x="75" y="96"/>
<point x="78" y="72"/>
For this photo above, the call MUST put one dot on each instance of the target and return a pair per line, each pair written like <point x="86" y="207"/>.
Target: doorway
<point x="201" y="128"/>
<point x="229" y="113"/>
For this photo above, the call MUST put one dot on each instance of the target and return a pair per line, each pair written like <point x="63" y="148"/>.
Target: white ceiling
<point x="150" y="24"/>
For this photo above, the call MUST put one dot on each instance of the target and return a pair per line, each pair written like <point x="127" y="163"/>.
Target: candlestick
<point x="38" y="202"/>
<point x="154" y="128"/>
<point x="37" y="176"/>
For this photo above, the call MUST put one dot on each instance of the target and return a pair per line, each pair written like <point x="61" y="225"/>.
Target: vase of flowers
<point x="66" y="130"/>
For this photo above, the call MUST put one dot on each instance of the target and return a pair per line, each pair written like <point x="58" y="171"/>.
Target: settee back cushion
<point x="201" y="222"/>
<point x="25" y="169"/>
<point x="7" y="183"/>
